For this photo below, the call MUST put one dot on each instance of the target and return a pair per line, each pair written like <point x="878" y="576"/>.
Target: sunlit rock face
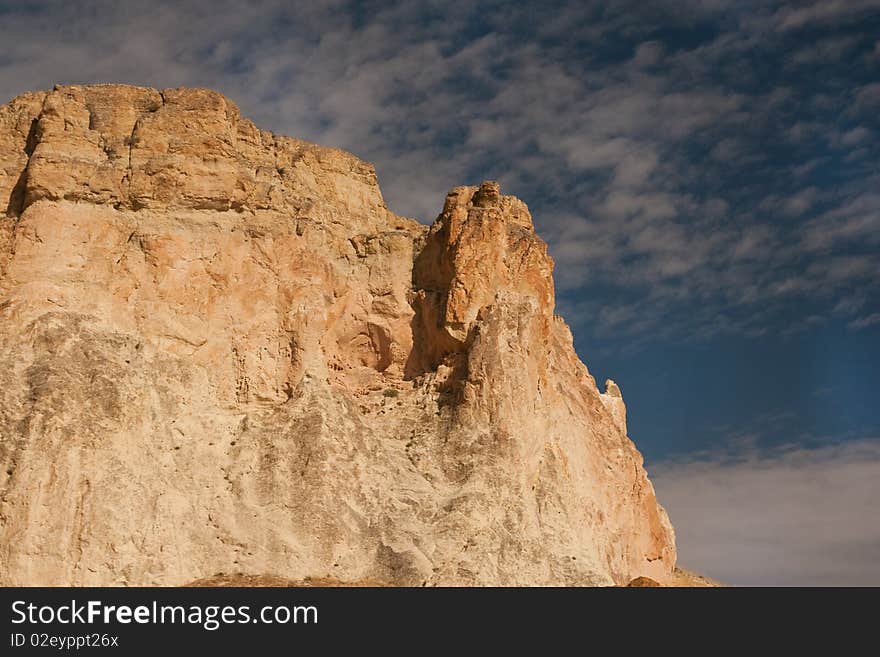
<point x="220" y="352"/>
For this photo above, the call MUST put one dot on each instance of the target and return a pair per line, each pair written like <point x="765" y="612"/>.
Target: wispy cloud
<point x="701" y="175"/>
<point x="824" y="11"/>
<point x="795" y="517"/>
<point x="866" y="321"/>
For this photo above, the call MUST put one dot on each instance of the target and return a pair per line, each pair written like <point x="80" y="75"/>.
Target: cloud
<point x="855" y="136"/>
<point x="649" y="53"/>
<point x="824" y="11"/>
<point x="867" y="98"/>
<point x="834" y="48"/>
<point x="849" y="304"/>
<point x="865" y="322"/>
<point x="688" y="176"/>
<point x="856" y="219"/>
<point x="793" y="204"/>
<point x="796" y="517"/>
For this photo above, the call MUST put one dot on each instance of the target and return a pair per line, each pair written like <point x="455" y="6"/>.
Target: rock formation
<point x="221" y="354"/>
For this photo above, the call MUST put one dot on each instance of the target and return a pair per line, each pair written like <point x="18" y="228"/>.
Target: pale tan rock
<point x="221" y="353"/>
<point x="613" y="401"/>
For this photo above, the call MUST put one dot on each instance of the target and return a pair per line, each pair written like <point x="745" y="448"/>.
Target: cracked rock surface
<point x="222" y="355"/>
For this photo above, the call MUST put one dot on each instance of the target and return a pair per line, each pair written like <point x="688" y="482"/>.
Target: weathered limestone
<point x="221" y="353"/>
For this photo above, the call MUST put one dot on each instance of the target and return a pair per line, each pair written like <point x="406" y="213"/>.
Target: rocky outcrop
<point x="613" y="401"/>
<point x="220" y="352"/>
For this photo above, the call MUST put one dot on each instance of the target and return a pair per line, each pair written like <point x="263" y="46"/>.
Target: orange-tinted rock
<point x="221" y="353"/>
<point x="644" y="582"/>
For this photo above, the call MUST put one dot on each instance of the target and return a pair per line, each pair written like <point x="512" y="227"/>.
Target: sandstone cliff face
<point x="220" y="353"/>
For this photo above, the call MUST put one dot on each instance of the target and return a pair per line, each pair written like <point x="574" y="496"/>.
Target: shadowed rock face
<point x="221" y="353"/>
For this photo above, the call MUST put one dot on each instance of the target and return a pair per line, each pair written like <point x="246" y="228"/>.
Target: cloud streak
<point x="688" y="159"/>
<point x="796" y="517"/>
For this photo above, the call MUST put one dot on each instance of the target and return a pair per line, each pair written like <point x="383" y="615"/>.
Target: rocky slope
<point x="220" y="353"/>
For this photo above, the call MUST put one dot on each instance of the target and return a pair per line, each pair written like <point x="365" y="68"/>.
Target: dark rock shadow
<point x="16" y="203"/>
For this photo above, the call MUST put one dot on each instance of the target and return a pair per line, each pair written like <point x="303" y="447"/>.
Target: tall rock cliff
<point x="220" y="353"/>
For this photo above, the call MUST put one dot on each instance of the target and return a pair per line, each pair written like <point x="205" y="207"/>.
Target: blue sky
<point x="705" y="172"/>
